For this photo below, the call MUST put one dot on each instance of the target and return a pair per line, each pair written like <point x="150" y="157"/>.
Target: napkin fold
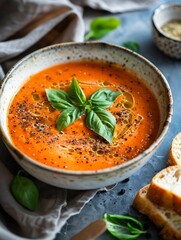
<point x="24" y="27"/>
<point x="115" y="6"/>
<point x="56" y="206"/>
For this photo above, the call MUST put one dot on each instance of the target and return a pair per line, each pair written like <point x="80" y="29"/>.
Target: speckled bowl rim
<point x="157" y="11"/>
<point x="148" y="151"/>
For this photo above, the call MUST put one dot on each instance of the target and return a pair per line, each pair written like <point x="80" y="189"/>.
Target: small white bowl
<point x="62" y="53"/>
<point x="163" y="14"/>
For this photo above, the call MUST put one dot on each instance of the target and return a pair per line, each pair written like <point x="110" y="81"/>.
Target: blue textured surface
<point x="136" y="26"/>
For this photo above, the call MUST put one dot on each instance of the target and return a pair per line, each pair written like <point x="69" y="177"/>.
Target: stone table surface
<point x="136" y="26"/>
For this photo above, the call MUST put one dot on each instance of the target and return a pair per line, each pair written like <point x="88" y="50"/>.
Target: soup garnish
<point x="73" y="104"/>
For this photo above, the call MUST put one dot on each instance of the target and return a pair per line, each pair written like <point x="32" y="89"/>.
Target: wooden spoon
<point x="92" y="231"/>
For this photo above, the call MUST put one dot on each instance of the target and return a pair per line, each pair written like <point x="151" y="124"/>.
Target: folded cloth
<point x="25" y="26"/>
<point x="115" y="6"/>
<point x="55" y="207"/>
<point x="54" y="21"/>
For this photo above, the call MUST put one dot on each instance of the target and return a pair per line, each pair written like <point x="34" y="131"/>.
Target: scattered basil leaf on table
<point x="134" y="46"/>
<point x="101" y="26"/>
<point x="25" y="191"/>
<point x="74" y="104"/>
<point x="123" y="227"/>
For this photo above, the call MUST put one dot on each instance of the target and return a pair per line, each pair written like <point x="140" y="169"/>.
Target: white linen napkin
<point x="25" y="26"/>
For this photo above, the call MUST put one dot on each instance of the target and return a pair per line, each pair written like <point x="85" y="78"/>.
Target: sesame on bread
<point x="165" y="188"/>
<point x="166" y="219"/>
<point x="174" y="157"/>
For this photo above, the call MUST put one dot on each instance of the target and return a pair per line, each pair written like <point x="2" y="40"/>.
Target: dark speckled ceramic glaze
<point x="161" y="15"/>
<point x="61" y="53"/>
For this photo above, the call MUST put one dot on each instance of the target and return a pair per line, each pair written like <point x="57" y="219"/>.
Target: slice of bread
<point x="166" y="219"/>
<point x="165" y="188"/>
<point x="174" y="157"/>
<point x="145" y="206"/>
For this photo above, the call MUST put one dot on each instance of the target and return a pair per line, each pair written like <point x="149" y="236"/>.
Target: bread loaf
<point x="166" y="219"/>
<point x="174" y="157"/>
<point x="165" y="188"/>
<point x="161" y="199"/>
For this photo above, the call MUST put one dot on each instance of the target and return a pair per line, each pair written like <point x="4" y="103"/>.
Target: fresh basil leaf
<point x="76" y="94"/>
<point x="55" y="95"/>
<point x="104" y="97"/>
<point x="58" y="99"/>
<point x="101" y="26"/>
<point x="62" y="105"/>
<point x="134" y="229"/>
<point x="100" y="103"/>
<point x="25" y="192"/>
<point x="67" y="117"/>
<point x="105" y="94"/>
<point x="123" y="227"/>
<point x="101" y="122"/>
<point x="73" y="104"/>
<point x="134" y="46"/>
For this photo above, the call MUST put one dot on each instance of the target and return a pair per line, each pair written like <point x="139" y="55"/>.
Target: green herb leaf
<point x="101" y="122"/>
<point x="25" y="191"/>
<point x="134" y="46"/>
<point x="74" y="104"/>
<point x="58" y="99"/>
<point x="123" y="227"/>
<point x="101" y="26"/>
<point x="104" y="98"/>
<point x="75" y="93"/>
<point x="67" y="117"/>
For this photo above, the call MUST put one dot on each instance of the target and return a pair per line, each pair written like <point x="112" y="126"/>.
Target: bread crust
<point x="165" y="194"/>
<point x="177" y="204"/>
<point x="166" y="219"/>
<point x="145" y="206"/>
<point x="172" y="160"/>
<point x="169" y="233"/>
<point x="161" y="199"/>
<point x="174" y="157"/>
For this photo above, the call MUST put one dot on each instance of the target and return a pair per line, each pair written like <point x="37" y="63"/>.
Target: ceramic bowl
<point x="61" y="53"/>
<point x="163" y="14"/>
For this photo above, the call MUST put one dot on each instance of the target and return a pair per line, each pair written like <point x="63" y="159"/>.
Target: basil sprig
<point x="123" y="227"/>
<point x="25" y="191"/>
<point x="73" y="104"/>
<point x="101" y="26"/>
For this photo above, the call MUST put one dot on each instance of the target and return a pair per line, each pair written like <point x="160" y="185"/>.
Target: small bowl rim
<point x="157" y="11"/>
<point x="136" y="159"/>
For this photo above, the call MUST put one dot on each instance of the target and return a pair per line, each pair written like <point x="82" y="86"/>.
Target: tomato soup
<point x="32" y="120"/>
